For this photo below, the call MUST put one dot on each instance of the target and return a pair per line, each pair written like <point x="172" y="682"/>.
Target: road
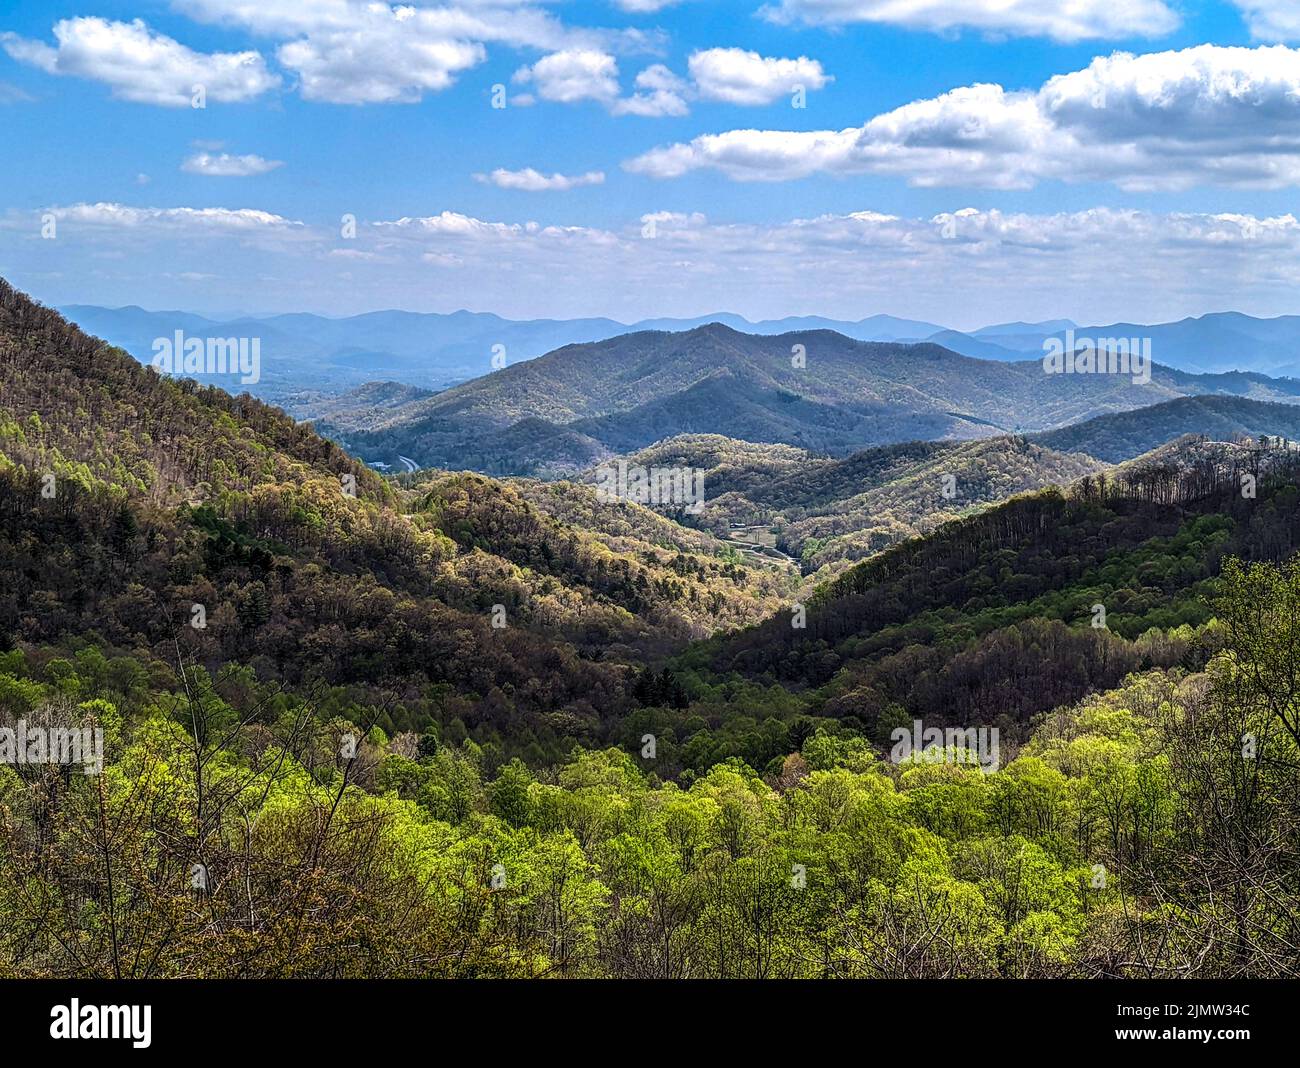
<point x="761" y="550"/>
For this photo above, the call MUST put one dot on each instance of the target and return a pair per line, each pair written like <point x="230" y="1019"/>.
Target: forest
<point x="1146" y="831"/>
<point x="447" y="725"/>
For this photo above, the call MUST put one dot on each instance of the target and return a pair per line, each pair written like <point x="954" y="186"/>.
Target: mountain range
<point x="817" y="390"/>
<point x="306" y="355"/>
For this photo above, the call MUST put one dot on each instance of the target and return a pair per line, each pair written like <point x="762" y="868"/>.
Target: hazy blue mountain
<point x="1218" y="342"/>
<point x="315" y="354"/>
<point x="584" y="402"/>
<point x="307" y="355"/>
<point x="979" y="347"/>
<point x="873" y="328"/>
<point x="1019" y="328"/>
<point x="302" y="351"/>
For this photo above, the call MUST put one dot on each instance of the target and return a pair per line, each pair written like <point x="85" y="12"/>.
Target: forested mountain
<point x="316" y="354"/>
<point x="552" y="416"/>
<point x="824" y="510"/>
<point x="1125" y="435"/>
<point x="995" y="617"/>
<point x="134" y="506"/>
<point x="354" y="409"/>
<point x="310" y="356"/>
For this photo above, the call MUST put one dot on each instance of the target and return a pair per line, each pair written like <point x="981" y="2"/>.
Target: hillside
<point x="318" y="355"/>
<point x="628" y="392"/>
<point x="1125" y="435"/>
<point x="127" y="499"/>
<point x="830" y="511"/>
<point x="354" y="409"/>
<point x="991" y="617"/>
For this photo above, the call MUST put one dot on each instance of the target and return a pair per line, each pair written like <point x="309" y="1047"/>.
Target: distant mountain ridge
<point x="310" y="353"/>
<point x="561" y="413"/>
<point x="1213" y="343"/>
<point x="307" y="352"/>
<point x="828" y="511"/>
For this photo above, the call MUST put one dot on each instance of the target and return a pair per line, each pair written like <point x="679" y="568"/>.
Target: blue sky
<point x="1160" y="184"/>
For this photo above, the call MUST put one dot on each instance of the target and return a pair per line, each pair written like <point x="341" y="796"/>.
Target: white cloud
<point x="573" y="75"/>
<point x="141" y="65"/>
<point x="105" y="215"/>
<point x="731" y="75"/>
<point x="759" y="155"/>
<point x="964" y="267"/>
<point x="11" y="94"/>
<point x="735" y="76"/>
<point x="1165" y="121"/>
<point x="644" y="7"/>
<point x="659" y="92"/>
<point x="383" y="66"/>
<point x="533" y="181"/>
<point x="225" y="165"/>
<point x="1074" y="20"/>
<point x="578" y="75"/>
<point x="1272" y="20"/>
<point x="360" y="52"/>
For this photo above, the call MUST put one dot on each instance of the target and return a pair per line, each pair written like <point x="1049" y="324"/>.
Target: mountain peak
<point x="715" y="329"/>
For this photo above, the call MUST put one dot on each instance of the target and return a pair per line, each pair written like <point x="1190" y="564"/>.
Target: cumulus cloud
<point x="1163" y="121"/>
<point x="366" y="52"/>
<point x="141" y="65"/>
<point x="735" y="76"/>
<point x="578" y="75"/>
<point x="526" y="253"/>
<point x="728" y="75"/>
<point x="362" y="52"/>
<point x="224" y="165"/>
<point x="534" y="181"/>
<point x="1271" y="20"/>
<point x="383" y="66"/>
<point x="658" y="92"/>
<point x="1074" y="21"/>
<point x="572" y="75"/>
<point x="964" y="267"/>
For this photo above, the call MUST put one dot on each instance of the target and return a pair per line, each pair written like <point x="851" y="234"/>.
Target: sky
<point x="957" y="161"/>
